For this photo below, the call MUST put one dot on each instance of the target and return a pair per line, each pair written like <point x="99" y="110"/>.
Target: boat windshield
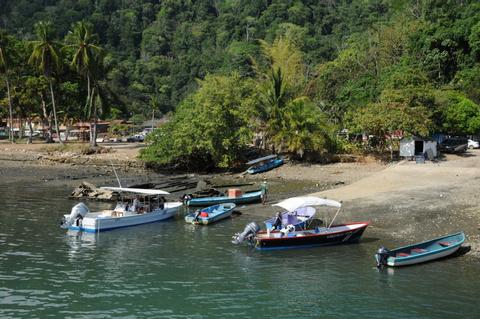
<point x="140" y="204"/>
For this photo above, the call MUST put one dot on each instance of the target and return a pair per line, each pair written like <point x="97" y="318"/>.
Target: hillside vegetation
<point x="288" y="73"/>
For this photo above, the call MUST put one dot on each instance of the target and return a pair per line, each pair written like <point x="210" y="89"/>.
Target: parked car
<point x="454" y="145"/>
<point x="136" y="138"/>
<point x="473" y="144"/>
<point x="147" y="131"/>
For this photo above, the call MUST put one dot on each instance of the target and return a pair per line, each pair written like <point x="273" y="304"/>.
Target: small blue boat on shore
<point x="210" y="215"/>
<point x="421" y="252"/>
<point x="264" y="164"/>
<point x="247" y="198"/>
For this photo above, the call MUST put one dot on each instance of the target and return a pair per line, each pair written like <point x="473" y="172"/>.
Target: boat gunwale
<point x="271" y="164"/>
<point x="429" y="241"/>
<point x="211" y="201"/>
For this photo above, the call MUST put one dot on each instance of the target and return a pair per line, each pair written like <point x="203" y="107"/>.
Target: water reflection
<point x="77" y="242"/>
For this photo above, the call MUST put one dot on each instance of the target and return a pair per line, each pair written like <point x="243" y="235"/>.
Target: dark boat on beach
<point x="264" y="164"/>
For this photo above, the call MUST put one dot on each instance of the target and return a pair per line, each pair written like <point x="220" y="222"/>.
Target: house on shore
<point x="415" y="145"/>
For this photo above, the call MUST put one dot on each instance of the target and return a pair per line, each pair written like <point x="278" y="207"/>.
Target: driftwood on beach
<point x="90" y="191"/>
<point x="203" y="188"/>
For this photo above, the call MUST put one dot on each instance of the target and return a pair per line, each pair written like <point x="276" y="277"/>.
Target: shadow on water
<point x="236" y="213"/>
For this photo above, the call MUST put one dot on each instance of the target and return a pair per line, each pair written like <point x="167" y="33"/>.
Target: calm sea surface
<point x="174" y="270"/>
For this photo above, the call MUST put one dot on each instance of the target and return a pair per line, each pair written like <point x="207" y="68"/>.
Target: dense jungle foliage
<point x="286" y="75"/>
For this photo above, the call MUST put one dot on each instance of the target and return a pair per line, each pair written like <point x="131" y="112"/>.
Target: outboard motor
<point x="78" y="212"/>
<point x="248" y="233"/>
<point x="381" y="257"/>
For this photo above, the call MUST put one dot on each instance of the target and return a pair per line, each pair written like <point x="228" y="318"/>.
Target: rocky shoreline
<point x="47" y="155"/>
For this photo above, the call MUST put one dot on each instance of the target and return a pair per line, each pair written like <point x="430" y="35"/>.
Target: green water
<point x="174" y="270"/>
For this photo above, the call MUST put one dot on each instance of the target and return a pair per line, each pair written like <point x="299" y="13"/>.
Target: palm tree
<point x="47" y="59"/>
<point x="87" y="55"/>
<point x="4" y="71"/>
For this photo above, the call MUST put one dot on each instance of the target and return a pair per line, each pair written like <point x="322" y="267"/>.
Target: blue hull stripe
<point x="353" y="241"/>
<point x="90" y="230"/>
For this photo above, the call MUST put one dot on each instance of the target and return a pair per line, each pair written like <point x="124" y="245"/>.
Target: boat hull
<point x="216" y="213"/>
<point x="266" y="167"/>
<point x="340" y="234"/>
<point x="96" y="222"/>
<point x="426" y="251"/>
<point x="247" y="198"/>
<point x="395" y="262"/>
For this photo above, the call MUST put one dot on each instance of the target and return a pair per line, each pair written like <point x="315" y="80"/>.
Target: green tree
<point x="280" y="82"/>
<point x="47" y="59"/>
<point x="461" y="115"/>
<point x="85" y="60"/>
<point x="305" y="130"/>
<point x="210" y="128"/>
<point x="27" y="97"/>
<point x="383" y="119"/>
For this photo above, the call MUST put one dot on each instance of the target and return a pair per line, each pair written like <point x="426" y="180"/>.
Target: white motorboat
<point x="147" y="207"/>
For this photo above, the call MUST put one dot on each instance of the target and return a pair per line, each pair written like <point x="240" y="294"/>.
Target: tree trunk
<point x="93" y="141"/>
<point x="50" y="128"/>
<point x="67" y="130"/>
<point x="10" y="112"/>
<point x="153" y="117"/>
<point x="54" y="111"/>
<point x="88" y="107"/>
<point x="46" y="120"/>
<point x="20" y="127"/>
<point x="31" y="129"/>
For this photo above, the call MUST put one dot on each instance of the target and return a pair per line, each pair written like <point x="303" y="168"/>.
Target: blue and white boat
<point x="421" y="252"/>
<point x="246" y="198"/>
<point x="264" y="164"/>
<point x="149" y="207"/>
<point x="211" y="214"/>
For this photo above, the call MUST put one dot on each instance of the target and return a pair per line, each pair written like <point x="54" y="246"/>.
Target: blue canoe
<point x="421" y="252"/>
<point x="266" y="166"/>
<point x="211" y="214"/>
<point x="247" y="198"/>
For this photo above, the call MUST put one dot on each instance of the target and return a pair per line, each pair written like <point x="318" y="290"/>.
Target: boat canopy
<point x="137" y="190"/>
<point x="294" y="203"/>
<point x="262" y="159"/>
